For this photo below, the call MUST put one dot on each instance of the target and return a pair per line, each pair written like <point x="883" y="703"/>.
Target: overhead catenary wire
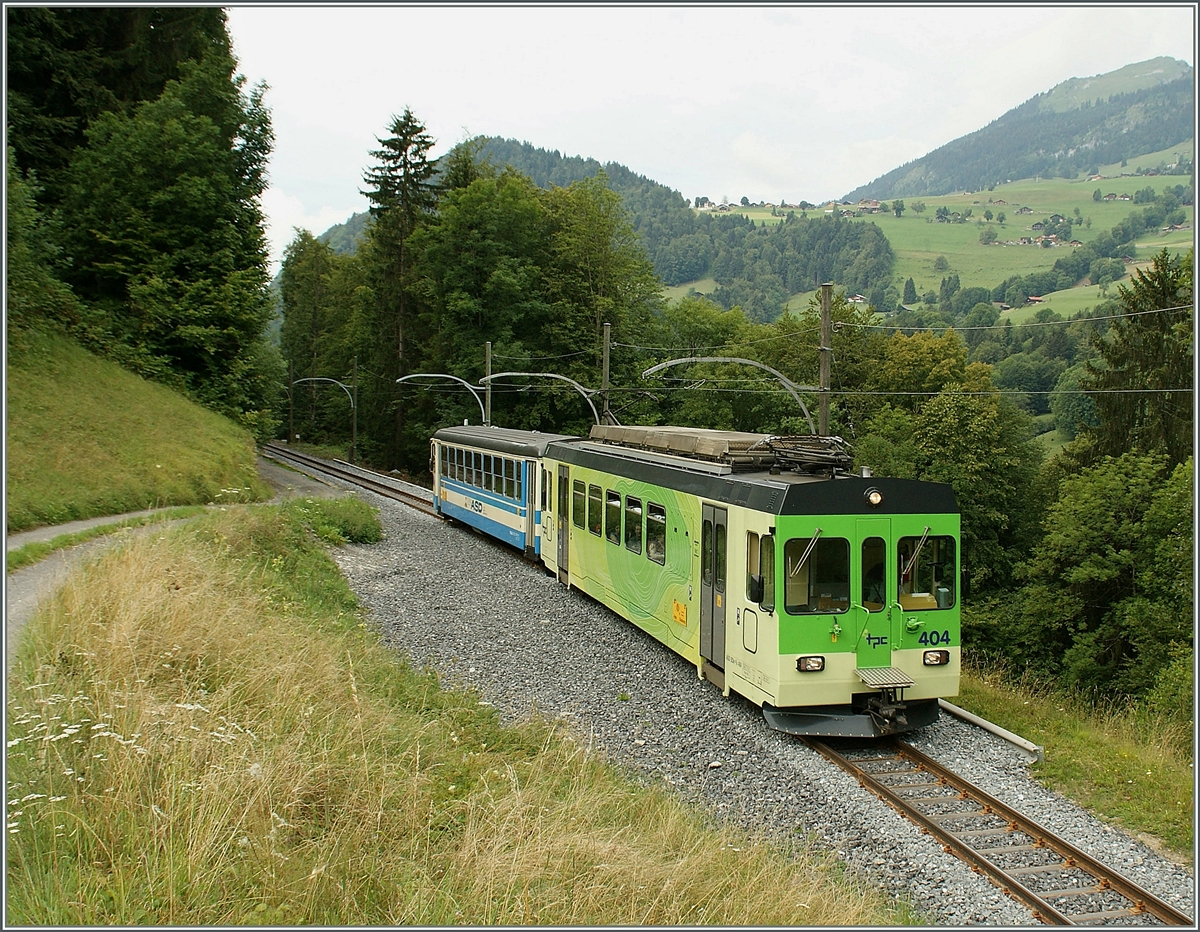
<point x="838" y="325"/>
<point x="770" y="388"/>
<point x="727" y="345"/>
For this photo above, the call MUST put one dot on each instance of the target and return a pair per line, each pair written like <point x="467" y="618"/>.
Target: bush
<point x="1174" y="692"/>
<point x="339" y="520"/>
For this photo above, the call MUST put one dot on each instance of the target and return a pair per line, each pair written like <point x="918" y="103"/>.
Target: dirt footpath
<point x="26" y="587"/>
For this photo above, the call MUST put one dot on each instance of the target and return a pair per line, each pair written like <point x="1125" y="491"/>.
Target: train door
<point x="872" y="605"/>
<point x="564" y="530"/>
<point x="714" y="557"/>
<point x="528" y="499"/>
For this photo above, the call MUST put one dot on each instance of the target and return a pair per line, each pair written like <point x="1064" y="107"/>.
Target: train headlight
<point x="873" y="497"/>
<point x="936" y="658"/>
<point x="810" y="664"/>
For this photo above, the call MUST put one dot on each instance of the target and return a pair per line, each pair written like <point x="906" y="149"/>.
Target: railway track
<point x="1059" y="883"/>
<point x="405" y="492"/>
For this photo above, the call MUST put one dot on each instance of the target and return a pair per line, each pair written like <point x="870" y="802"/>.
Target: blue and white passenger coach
<point x="491" y="479"/>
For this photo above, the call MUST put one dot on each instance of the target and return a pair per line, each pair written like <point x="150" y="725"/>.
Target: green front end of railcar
<point x="867" y="605"/>
<point x="833" y="603"/>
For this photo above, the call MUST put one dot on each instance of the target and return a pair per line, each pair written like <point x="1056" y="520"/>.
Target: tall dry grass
<point x="202" y="731"/>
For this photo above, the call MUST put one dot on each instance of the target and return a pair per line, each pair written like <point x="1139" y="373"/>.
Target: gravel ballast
<point x="483" y="618"/>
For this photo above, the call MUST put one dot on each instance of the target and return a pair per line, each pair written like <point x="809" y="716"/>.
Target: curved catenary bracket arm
<point x="793" y="389"/>
<point x="443" y="375"/>
<point x="340" y="385"/>
<point x="585" y="392"/>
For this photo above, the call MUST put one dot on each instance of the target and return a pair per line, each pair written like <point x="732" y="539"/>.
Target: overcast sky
<point x="769" y="102"/>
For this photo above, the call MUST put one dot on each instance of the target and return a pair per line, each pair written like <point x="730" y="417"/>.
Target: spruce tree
<point x="402" y="192"/>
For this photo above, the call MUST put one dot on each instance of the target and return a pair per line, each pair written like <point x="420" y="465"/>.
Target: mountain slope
<point x="1079" y="124"/>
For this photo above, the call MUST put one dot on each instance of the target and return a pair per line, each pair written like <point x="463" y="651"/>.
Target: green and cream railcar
<point x="829" y="599"/>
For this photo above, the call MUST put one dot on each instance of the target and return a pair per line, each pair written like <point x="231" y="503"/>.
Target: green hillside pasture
<point x="700" y="286"/>
<point x="1164" y="157"/>
<point x="759" y="215"/>
<point x="86" y="438"/>
<point x="917" y="239"/>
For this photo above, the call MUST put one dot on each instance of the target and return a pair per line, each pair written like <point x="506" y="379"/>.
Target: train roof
<point x="777" y="475"/>
<point x="502" y="439"/>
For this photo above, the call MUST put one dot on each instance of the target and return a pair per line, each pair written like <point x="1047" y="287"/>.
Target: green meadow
<point x="918" y="240"/>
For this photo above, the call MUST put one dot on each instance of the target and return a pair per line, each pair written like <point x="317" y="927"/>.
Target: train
<point x="827" y="597"/>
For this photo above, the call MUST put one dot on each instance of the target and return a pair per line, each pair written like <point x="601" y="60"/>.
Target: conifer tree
<point x="1143" y="400"/>
<point x="402" y="192"/>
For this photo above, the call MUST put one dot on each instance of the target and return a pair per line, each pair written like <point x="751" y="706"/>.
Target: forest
<point x="135" y="173"/>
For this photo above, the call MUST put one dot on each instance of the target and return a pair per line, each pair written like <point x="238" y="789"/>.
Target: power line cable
<point x="838" y="325"/>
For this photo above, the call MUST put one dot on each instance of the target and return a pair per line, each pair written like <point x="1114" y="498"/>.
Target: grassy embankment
<point x="1121" y="762"/>
<point x="202" y="731"/>
<point x="86" y="439"/>
<point x="918" y="241"/>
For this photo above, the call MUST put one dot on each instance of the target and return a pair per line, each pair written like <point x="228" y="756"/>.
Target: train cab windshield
<point x="927" y="572"/>
<point x="816" y="575"/>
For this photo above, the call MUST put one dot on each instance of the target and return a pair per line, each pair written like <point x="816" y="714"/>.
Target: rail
<point x="381" y="484"/>
<point x="1061" y="884"/>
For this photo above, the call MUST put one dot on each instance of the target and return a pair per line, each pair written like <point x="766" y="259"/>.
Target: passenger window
<point x="517" y="470"/>
<point x="478" y="480"/>
<point x="816" y="575"/>
<point x="487" y="471"/>
<point x="706" y="553"/>
<point x="547" y="490"/>
<point x="766" y="561"/>
<point x="577" y="503"/>
<point x="509" y="484"/>
<point x="612" y="516"/>
<point x="926" y="572"/>
<point x="593" y="509"/>
<point x="633" y="524"/>
<point x="874" y="579"/>
<point x="656" y="533"/>
<point x="459" y="470"/>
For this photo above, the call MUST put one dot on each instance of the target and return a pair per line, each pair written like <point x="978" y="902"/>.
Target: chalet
<point x="1024" y="210"/>
<point x="1057" y="218"/>
<point x="1038" y="226"/>
<point x="1124" y="197"/>
<point x="1035" y="299"/>
<point x="1095" y="177"/>
<point x="868" y="207"/>
<point x="1026" y="241"/>
<point x="1000" y="201"/>
<point x="1075" y="242"/>
<point x="857" y="299"/>
<point x="1110" y="197"/>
